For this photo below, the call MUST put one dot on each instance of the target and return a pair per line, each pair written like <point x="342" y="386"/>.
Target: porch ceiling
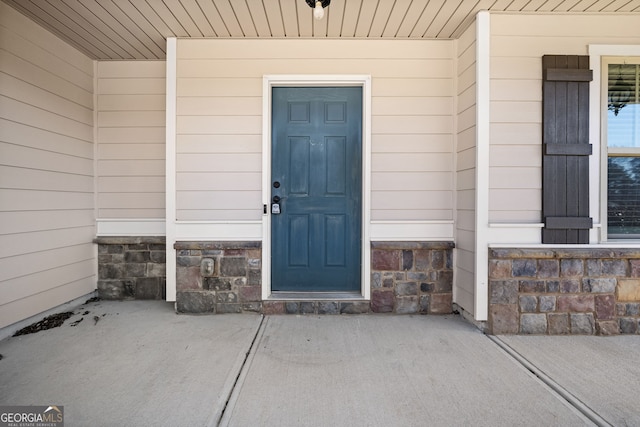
<point x="137" y="29"/>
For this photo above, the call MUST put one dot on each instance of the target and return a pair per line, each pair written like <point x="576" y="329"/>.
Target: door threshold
<point x="315" y="296"/>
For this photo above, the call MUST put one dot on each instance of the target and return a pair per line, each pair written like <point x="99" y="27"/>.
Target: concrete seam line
<point x="232" y="396"/>
<point x="561" y="391"/>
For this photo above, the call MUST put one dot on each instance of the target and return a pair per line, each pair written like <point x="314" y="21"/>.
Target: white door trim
<point x="291" y="80"/>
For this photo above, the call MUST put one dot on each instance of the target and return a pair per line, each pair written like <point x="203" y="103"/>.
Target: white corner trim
<point x="130" y="227"/>
<point x="298" y="80"/>
<point x="483" y="140"/>
<point x="170" y="166"/>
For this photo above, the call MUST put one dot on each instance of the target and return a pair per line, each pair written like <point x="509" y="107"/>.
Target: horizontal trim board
<point x="412" y="230"/>
<point x="130" y="227"/>
<point x="568" y="222"/>
<point x="567" y="75"/>
<point x="568" y="149"/>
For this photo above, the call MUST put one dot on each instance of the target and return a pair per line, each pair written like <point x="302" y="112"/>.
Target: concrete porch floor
<point x="140" y="364"/>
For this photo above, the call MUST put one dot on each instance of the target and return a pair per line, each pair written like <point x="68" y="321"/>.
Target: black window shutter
<point x="566" y="149"/>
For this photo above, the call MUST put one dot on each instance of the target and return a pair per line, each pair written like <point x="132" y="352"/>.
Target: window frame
<point x="605" y="151"/>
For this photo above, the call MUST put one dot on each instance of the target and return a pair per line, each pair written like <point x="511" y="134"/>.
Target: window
<point x="622" y="130"/>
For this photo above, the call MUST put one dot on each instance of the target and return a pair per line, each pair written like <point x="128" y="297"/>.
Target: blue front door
<point x="317" y="187"/>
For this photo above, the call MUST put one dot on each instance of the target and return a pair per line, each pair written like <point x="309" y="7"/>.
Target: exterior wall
<point x="46" y="178"/>
<point x="564" y="291"/>
<point x="465" y="167"/>
<point x="517" y="45"/>
<point x="131" y="139"/>
<point x="219" y="122"/>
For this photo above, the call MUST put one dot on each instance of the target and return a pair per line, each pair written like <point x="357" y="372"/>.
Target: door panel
<point x="317" y="162"/>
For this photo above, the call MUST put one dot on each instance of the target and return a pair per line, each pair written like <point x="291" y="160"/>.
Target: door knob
<point x="276" y="184"/>
<point x="276" y="199"/>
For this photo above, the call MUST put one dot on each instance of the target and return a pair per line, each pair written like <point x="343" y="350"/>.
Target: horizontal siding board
<point x="417" y="162"/>
<point x="224" y="181"/>
<point x="19" y="134"/>
<point x="218" y="214"/>
<point x="25" y="286"/>
<point x="390" y="213"/>
<point x="515" y="177"/>
<point x="517" y="155"/>
<point x="137" y="102"/>
<point x="406" y="68"/>
<point x="123" y="135"/>
<point x="32" y="200"/>
<point x="219" y="162"/>
<point x="516" y="90"/>
<point x="409" y="143"/>
<point x="16" y="244"/>
<point x="219" y="106"/>
<point x="239" y="200"/>
<point x="516" y="112"/>
<point x="412" y="199"/>
<point x="132" y="86"/>
<point x="134" y="214"/>
<point x="523" y="199"/>
<point x="145" y="151"/>
<point x="219" y="144"/>
<point x="405" y="105"/>
<point x="221" y="86"/>
<point x="16" y="222"/>
<point x="394" y="86"/>
<point x="131" y="200"/>
<point x="34" y="179"/>
<point x="27" y="157"/>
<point x="221" y="125"/>
<point x="33" y="263"/>
<point x="131" y="118"/>
<point x="412" y="124"/>
<point x="131" y="69"/>
<point x="411" y="181"/>
<point x="29" y="115"/>
<point x="40" y="57"/>
<point x="17" y="89"/>
<point x="565" y="26"/>
<point x="19" y="68"/>
<point x="131" y="167"/>
<point x="121" y="184"/>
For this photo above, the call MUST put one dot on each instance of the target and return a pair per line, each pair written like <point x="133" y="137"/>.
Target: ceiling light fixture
<point x="318" y="7"/>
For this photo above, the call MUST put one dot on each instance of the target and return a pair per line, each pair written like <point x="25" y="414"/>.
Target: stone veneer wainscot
<point x="564" y="291"/>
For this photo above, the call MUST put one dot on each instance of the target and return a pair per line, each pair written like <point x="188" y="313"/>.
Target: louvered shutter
<point x="566" y="149"/>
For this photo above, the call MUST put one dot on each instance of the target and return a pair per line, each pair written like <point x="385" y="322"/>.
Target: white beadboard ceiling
<point x="137" y="29"/>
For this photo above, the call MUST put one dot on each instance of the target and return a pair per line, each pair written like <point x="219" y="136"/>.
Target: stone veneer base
<point x="588" y="291"/>
<point x="131" y="267"/>
<point x="407" y="277"/>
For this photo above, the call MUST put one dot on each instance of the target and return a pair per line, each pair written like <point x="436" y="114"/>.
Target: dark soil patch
<point x="77" y="321"/>
<point x="94" y="299"/>
<point x="48" y="322"/>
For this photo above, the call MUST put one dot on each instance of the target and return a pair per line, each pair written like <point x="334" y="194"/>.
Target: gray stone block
<point x="159" y="257"/>
<point x="407" y="305"/>
<point x="356" y="307"/>
<point x="571" y="267"/>
<point x="291" y="307"/>
<point x="233" y="266"/>
<point x="226" y="297"/>
<point x="195" y="302"/>
<point x="558" y="323"/>
<point x="582" y="323"/>
<point x="376" y="279"/>
<point x="504" y="292"/>
<point x="307" y="307"/>
<point x="524" y="268"/>
<point x="533" y="324"/>
<point x="111" y="271"/>
<point x="135" y="270"/>
<point x="547" y="303"/>
<point x="406" y="288"/>
<point x="228" y="308"/>
<point x="528" y="304"/>
<point x="110" y="289"/>
<point x="328" y="307"/>
<point x="628" y="325"/>
<point x="138" y="256"/>
<point x="148" y="288"/>
<point x="216" y="284"/>
<point x="604" y="285"/>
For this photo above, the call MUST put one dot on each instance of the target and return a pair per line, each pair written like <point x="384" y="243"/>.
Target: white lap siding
<point x="46" y="170"/>
<point x="219" y="122"/>
<point x="131" y="140"/>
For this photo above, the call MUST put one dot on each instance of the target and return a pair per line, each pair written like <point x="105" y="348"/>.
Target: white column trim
<point x="483" y="140"/>
<point x="170" y="167"/>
